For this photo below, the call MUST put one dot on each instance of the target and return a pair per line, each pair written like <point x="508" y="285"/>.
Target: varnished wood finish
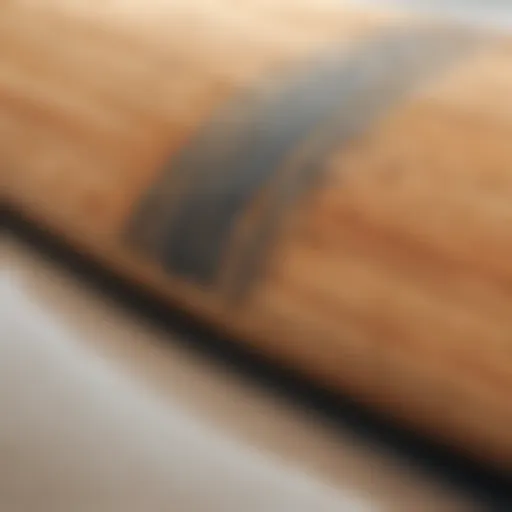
<point x="391" y="279"/>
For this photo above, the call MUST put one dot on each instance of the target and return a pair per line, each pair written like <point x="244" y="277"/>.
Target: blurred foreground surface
<point x="100" y="412"/>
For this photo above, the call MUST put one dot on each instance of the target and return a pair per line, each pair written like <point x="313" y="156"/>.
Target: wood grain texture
<point x="390" y="280"/>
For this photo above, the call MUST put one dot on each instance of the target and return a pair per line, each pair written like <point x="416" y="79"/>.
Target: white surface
<point x="494" y="13"/>
<point x="80" y="436"/>
<point x="97" y="415"/>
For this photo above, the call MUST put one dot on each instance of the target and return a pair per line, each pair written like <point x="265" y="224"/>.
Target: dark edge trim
<point x="490" y="489"/>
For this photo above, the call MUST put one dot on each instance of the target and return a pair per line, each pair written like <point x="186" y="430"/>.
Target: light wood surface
<point x="391" y="280"/>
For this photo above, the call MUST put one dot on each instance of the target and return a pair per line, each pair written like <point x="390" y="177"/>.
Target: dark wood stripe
<point x="278" y="137"/>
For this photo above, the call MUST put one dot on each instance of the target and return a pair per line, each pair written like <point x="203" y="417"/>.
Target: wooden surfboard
<point x="330" y="186"/>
